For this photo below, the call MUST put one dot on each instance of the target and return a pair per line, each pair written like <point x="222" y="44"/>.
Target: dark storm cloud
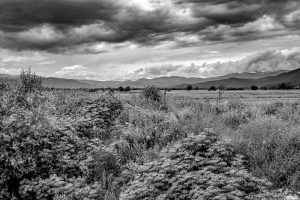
<point x="16" y="15"/>
<point x="65" y="25"/>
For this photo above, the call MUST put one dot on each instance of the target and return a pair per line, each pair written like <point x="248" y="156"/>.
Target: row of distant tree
<point x="282" y="86"/>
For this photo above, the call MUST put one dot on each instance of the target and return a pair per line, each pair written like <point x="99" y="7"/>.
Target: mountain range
<point x="292" y="77"/>
<point x="244" y="80"/>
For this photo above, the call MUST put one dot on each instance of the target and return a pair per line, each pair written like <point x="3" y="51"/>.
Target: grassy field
<point x="256" y="96"/>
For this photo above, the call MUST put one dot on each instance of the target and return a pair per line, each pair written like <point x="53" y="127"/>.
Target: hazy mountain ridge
<point x="292" y="77"/>
<point x="244" y="79"/>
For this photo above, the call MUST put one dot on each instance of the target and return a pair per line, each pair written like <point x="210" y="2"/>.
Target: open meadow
<point x="73" y="144"/>
<point x="247" y="96"/>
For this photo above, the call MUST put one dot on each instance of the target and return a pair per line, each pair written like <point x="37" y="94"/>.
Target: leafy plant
<point x="197" y="167"/>
<point x="30" y="82"/>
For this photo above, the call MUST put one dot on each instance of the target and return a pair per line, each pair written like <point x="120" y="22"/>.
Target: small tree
<point x="221" y="92"/>
<point x="284" y="86"/>
<point x="152" y="93"/>
<point x="189" y="87"/>
<point x="127" y="89"/>
<point x="212" y="88"/>
<point x="121" y="89"/>
<point x="254" y="87"/>
<point x="30" y="82"/>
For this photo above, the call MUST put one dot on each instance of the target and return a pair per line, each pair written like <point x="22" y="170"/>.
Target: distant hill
<point x="228" y="83"/>
<point x="101" y="84"/>
<point x="292" y="77"/>
<point x="245" y="79"/>
<point x="165" y="82"/>
<point x="51" y="82"/>
<point x="64" y="83"/>
<point x="162" y="82"/>
<point x="249" y="75"/>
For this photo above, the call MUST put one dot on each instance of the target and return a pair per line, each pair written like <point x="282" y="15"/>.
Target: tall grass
<point x="272" y="149"/>
<point x="267" y="134"/>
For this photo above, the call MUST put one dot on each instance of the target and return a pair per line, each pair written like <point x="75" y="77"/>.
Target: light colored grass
<point x="244" y="95"/>
<point x="272" y="149"/>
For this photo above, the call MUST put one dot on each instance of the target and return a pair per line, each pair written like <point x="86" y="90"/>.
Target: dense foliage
<point x="197" y="167"/>
<point x="69" y="145"/>
<point x="45" y="155"/>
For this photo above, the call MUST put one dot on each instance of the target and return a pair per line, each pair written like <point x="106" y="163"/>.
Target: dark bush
<point x="95" y="117"/>
<point x="127" y="89"/>
<point x="284" y="86"/>
<point x="189" y="87"/>
<point x="212" y="88"/>
<point x="121" y="89"/>
<point x="254" y="87"/>
<point x="152" y="93"/>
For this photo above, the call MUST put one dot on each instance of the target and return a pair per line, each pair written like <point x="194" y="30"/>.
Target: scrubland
<point x="66" y="145"/>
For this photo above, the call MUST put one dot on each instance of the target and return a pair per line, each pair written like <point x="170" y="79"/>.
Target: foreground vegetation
<point x="66" y="145"/>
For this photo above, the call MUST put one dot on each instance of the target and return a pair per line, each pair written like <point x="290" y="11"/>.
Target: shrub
<point x="33" y="149"/>
<point x="127" y="89"/>
<point x="254" y="87"/>
<point x="151" y="98"/>
<point x="30" y="82"/>
<point x="198" y="167"/>
<point x="3" y="86"/>
<point x="284" y="86"/>
<point x="271" y="108"/>
<point x="152" y="93"/>
<point x="95" y="117"/>
<point x="189" y="87"/>
<point x="234" y="119"/>
<point x="212" y="88"/>
<point x="121" y="89"/>
<point x="43" y="156"/>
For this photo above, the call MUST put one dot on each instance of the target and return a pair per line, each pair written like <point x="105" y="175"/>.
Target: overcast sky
<point x="130" y="39"/>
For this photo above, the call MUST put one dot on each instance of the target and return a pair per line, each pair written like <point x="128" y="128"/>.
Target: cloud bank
<point x="80" y="26"/>
<point x="287" y="59"/>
